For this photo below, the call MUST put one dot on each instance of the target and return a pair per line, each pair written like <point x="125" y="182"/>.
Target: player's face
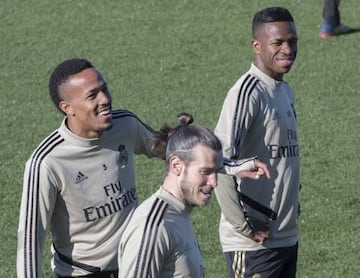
<point x="275" y="46"/>
<point x="200" y="176"/>
<point x="87" y="103"/>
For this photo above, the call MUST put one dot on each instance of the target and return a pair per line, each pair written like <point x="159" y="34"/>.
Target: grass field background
<point x="164" y="57"/>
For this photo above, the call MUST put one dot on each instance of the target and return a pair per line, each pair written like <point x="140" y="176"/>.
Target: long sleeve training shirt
<point x="83" y="191"/>
<point x="258" y="119"/>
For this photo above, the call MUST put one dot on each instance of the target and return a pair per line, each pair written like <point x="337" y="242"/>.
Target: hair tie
<point x="185" y="119"/>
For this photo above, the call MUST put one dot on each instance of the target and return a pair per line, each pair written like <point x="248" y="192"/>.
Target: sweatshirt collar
<point x="271" y="82"/>
<point x="77" y="140"/>
<point x="176" y="203"/>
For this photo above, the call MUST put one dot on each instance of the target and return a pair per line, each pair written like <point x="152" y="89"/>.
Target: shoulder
<point x="246" y="90"/>
<point x="151" y="208"/>
<point x="156" y="214"/>
<point x="246" y="85"/>
<point x="122" y="113"/>
<point x="129" y="117"/>
<point x="149" y="218"/>
<point x="287" y="87"/>
<point x="47" y="146"/>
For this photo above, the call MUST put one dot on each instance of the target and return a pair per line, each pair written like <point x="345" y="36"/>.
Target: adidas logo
<point x="80" y="178"/>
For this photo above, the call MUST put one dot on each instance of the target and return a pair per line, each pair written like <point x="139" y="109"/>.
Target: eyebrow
<point x="97" y="89"/>
<point x="211" y="169"/>
<point x="280" y="40"/>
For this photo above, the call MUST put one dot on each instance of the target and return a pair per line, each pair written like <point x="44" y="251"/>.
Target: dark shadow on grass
<point x="352" y="31"/>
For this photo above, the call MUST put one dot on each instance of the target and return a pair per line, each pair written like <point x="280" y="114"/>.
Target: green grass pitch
<point x="164" y="57"/>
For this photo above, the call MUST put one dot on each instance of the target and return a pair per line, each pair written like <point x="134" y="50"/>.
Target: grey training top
<point x="83" y="190"/>
<point x="258" y="119"/>
<point x="159" y="241"/>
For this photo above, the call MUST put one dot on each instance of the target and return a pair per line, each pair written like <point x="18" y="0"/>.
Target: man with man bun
<point x="159" y="240"/>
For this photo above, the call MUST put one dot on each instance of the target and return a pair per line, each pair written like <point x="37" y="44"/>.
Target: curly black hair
<point x="62" y="73"/>
<point x="271" y="14"/>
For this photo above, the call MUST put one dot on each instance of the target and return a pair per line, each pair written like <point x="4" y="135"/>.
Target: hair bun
<point x="185" y="119"/>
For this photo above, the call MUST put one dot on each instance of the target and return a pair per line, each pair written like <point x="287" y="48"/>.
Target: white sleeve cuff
<point x="232" y="167"/>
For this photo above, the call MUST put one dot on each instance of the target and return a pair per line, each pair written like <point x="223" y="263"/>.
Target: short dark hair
<point x="271" y="14"/>
<point x="62" y="73"/>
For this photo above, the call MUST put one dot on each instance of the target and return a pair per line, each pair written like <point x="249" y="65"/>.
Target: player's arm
<point x="226" y="192"/>
<point x="239" y="109"/>
<point x="245" y="168"/>
<point x="37" y="203"/>
<point x="234" y="120"/>
<point x="231" y="127"/>
<point x="228" y="199"/>
<point x="226" y="128"/>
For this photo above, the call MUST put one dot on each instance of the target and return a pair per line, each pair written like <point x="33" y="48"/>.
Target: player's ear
<point x="175" y="165"/>
<point x="256" y="46"/>
<point x="66" y="108"/>
<point x="64" y="93"/>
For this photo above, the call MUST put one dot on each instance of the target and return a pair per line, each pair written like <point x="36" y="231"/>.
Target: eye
<point x="277" y="43"/>
<point x="207" y="172"/>
<point x="92" y="95"/>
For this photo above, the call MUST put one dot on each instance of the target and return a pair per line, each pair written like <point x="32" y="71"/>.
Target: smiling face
<point x="275" y="46"/>
<point x="199" y="177"/>
<point x="87" y="103"/>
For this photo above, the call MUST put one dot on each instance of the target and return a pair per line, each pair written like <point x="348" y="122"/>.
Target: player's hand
<point x="259" y="170"/>
<point x="260" y="231"/>
<point x="259" y="236"/>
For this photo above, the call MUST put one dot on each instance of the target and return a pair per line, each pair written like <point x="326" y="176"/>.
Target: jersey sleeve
<point x="232" y="167"/>
<point x="227" y="197"/>
<point x="37" y="204"/>
<point x="239" y="108"/>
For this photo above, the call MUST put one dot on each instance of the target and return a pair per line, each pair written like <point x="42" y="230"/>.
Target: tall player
<point x="259" y="220"/>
